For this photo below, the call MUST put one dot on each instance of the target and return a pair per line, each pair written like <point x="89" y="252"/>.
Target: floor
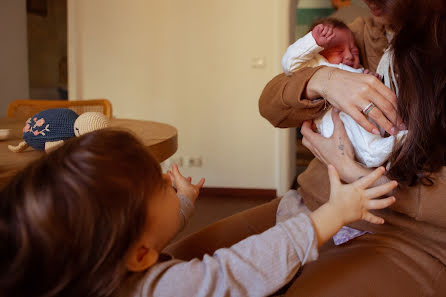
<point x="211" y="209"/>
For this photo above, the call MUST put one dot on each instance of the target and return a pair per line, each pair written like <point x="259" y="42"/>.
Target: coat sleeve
<point x="283" y="103"/>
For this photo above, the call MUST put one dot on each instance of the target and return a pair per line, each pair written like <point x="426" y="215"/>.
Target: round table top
<point x="159" y="138"/>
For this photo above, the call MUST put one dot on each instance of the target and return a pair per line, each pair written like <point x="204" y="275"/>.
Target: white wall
<point x="189" y="64"/>
<point x="13" y="53"/>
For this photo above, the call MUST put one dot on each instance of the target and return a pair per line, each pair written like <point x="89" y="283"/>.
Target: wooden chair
<point x="24" y="109"/>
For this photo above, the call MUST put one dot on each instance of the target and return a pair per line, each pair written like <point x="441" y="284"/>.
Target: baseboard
<point x="239" y="192"/>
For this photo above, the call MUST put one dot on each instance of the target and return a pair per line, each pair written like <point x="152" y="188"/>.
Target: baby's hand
<point x="378" y="76"/>
<point x="353" y="201"/>
<point x="323" y="34"/>
<point x="184" y="185"/>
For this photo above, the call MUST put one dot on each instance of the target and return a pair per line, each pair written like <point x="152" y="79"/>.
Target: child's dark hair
<point x="336" y="23"/>
<point x="68" y="219"/>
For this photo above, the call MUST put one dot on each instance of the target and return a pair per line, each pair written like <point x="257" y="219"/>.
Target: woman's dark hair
<point x="419" y="48"/>
<point x="67" y="220"/>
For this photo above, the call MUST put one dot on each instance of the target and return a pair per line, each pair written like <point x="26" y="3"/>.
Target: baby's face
<point x="343" y="49"/>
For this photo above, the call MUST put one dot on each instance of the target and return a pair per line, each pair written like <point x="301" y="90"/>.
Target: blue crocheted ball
<point x="49" y="125"/>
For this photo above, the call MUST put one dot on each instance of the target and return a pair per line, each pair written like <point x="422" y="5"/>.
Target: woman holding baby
<point x="406" y="256"/>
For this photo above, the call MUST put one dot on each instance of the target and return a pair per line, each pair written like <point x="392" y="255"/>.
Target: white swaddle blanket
<point x="370" y="149"/>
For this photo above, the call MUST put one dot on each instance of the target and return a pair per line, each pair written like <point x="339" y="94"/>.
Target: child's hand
<point x="353" y="201"/>
<point x="323" y="34"/>
<point x="184" y="185"/>
<point x="378" y="76"/>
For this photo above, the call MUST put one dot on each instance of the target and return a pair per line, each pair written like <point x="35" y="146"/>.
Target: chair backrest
<point x="24" y="109"/>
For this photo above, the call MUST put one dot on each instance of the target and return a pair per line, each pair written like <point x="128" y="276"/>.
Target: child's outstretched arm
<point x="350" y="202"/>
<point x="184" y="185"/>
<point x="261" y="264"/>
<point x="187" y="193"/>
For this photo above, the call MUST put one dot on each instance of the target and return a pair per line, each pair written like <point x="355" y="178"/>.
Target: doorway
<point x="47" y="49"/>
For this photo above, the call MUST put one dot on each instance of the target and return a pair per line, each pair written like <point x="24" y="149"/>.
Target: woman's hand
<point x="352" y="92"/>
<point x="336" y="150"/>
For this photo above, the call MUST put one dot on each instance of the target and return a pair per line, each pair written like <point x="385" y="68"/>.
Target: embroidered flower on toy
<point x="35" y="127"/>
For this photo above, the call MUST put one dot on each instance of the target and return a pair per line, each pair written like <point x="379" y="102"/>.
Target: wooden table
<point x="160" y="139"/>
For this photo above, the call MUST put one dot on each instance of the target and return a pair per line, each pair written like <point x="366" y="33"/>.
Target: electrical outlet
<point x="196" y="161"/>
<point x="174" y="160"/>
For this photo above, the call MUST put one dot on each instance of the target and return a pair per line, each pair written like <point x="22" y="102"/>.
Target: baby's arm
<point x="261" y="264"/>
<point x="305" y="48"/>
<point x="323" y="35"/>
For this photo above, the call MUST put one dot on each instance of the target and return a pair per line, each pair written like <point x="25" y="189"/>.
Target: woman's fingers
<point x="390" y="97"/>
<point x="385" y="115"/>
<point x="311" y="139"/>
<point x="369" y="179"/>
<point x="306" y="125"/>
<point x="359" y="117"/>
<point x="357" y="92"/>
<point x="380" y="203"/>
<point x="377" y="115"/>
<point x="307" y="132"/>
<point x="380" y="190"/>
<point x="337" y="122"/>
<point x="333" y="176"/>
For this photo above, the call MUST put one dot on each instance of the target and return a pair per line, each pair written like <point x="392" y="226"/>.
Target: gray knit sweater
<point x="256" y="266"/>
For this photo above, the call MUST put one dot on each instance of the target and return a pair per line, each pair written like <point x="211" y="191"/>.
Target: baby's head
<point x="78" y="221"/>
<point x="342" y="48"/>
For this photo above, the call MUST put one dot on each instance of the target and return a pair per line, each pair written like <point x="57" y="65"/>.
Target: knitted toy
<point x="48" y="129"/>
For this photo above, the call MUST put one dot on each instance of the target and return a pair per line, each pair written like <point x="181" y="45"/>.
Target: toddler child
<point x="92" y="217"/>
<point x="331" y="43"/>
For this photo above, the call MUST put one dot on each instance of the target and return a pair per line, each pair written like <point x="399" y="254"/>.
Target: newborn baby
<point x="331" y="43"/>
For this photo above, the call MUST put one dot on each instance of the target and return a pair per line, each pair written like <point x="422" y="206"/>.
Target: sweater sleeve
<point x="300" y="52"/>
<point x="256" y="266"/>
<point x="282" y="101"/>
<point x="186" y="210"/>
